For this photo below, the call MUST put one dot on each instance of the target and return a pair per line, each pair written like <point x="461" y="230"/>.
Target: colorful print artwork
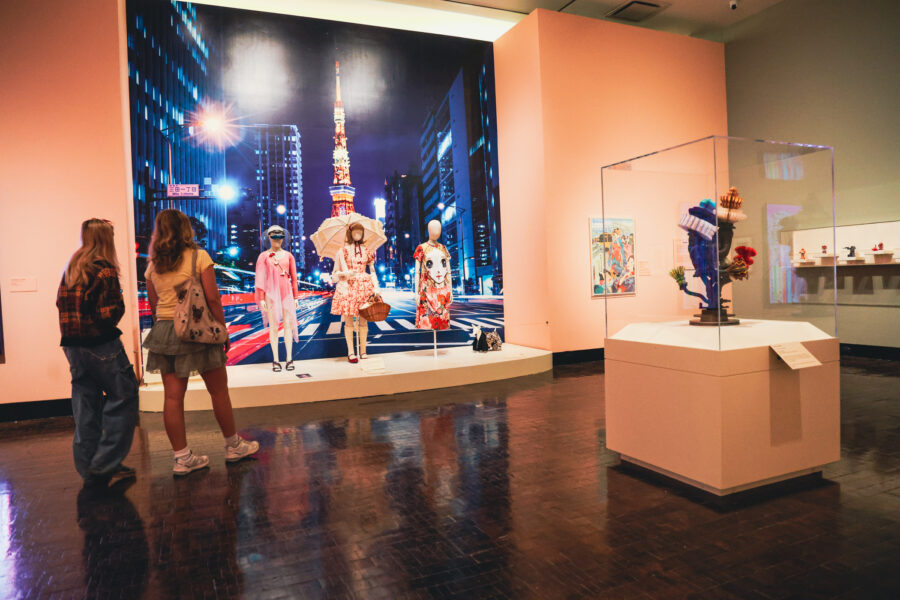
<point x="612" y="257"/>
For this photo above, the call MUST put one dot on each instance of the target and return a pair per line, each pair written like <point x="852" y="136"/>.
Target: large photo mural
<point x="245" y="120"/>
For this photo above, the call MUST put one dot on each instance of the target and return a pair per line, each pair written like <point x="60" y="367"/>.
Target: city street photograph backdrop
<point x="244" y="120"/>
<point x="612" y="256"/>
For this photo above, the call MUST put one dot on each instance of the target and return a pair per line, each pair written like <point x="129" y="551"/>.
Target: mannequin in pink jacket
<point x="277" y="294"/>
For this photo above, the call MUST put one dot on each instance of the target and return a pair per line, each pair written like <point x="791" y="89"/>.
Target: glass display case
<point x="721" y="361"/>
<point x="707" y="240"/>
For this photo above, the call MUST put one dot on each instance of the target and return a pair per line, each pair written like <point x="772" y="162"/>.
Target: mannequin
<point x="353" y="289"/>
<point x="277" y="294"/>
<point x="434" y="285"/>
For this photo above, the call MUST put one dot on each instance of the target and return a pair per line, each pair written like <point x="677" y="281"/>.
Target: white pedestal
<point x="723" y="420"/>
<point x="880" y="257"/>
<point x="335" y="378"/>
<point x="827" y="259"/>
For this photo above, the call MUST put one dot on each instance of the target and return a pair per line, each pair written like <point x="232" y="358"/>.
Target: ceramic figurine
<point x="851" y="251"/>
<point x="802" y="253"/>
<point x="710" y="232"/>
<point x="878" y="246"/>
<point x="824" y="249"/>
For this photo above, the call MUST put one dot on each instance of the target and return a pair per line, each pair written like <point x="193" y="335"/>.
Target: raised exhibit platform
<point x="335" y="378"/>
<point x="722" y="420"/>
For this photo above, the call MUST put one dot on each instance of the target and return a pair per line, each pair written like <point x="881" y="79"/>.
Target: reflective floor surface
<point x="502" y="490"/>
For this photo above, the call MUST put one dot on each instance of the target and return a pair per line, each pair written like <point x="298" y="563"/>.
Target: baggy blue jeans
<point x="105" y="406"/>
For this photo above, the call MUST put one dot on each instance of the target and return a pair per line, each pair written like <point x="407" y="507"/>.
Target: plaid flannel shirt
<point x="88" y="315"/>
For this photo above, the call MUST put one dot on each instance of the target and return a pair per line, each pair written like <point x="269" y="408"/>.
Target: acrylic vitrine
<point x="703" y="237"/>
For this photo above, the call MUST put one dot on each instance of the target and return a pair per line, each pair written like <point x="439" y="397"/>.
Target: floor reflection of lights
<point x="7" y="560"/>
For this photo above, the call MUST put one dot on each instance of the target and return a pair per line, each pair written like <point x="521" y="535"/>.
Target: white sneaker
<point x="189" y="463"/>
<point x="242" y="450"/>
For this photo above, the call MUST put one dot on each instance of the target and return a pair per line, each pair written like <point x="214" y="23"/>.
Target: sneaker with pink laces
<point x="241" y="450"/>
<point x="190" y="463"/>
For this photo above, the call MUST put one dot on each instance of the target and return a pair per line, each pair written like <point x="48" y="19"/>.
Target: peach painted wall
<point x="596" y="93"/>
<point x="526" y="303"/>
<point x="63" y="158"/>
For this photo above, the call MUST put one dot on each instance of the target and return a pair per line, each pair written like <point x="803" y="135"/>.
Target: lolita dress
<point x="355" y="290"/>
<point x="276" y="283"/>
<point x="433" y="303"/>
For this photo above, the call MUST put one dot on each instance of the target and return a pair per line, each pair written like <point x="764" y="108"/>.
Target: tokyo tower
<point x="341" y="191"/>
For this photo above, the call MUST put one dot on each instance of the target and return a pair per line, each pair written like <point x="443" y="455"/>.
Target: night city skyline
<point x="412" y="120"/>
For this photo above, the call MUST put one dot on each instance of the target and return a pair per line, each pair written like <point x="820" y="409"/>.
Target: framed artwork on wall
<point x="612" y="256"/>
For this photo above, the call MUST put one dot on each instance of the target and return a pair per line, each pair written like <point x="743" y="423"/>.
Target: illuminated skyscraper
<point x="173" y="66"/>
<point x="279" y="168"/>
<point x="341" y="191"/>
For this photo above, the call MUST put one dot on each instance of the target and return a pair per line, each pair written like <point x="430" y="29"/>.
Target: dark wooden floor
<point x="503" y="490"/>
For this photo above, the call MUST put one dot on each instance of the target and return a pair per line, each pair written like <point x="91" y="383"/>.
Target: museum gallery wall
<point x="245" y="120"/>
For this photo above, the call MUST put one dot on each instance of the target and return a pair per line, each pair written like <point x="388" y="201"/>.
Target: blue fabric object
<point x="705" y="253"/>
<point x="105" y="406"/>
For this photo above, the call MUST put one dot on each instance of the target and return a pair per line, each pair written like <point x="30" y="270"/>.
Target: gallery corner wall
<point x="575" y="94"/>
<point x="825" y="72"/>
<point x="64" y="159"/>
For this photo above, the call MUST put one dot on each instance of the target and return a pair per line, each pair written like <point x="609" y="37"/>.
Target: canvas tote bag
<point x="193" y="321"/>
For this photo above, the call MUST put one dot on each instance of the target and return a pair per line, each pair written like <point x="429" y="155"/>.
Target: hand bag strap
<point x="194" y="264"/>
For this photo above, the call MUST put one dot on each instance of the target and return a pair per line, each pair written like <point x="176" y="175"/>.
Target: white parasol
<point x="332" y="234"/>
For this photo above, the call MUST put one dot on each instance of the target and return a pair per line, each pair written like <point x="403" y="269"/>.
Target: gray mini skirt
<point x="169" y="354"/>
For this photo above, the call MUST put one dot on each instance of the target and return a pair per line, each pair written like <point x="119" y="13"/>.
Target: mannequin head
<point x="356" y="234"/>
<point x="434" y="230"/>
<point x="275" y="235"/>
<point x="436" y="264"/>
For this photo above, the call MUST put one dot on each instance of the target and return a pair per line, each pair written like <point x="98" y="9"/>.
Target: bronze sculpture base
<point x="710" y="318"/>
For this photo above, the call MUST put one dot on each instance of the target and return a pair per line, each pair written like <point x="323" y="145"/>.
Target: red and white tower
<point x="341" y="191"/>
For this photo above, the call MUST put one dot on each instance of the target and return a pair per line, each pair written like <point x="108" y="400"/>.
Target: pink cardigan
<point x="277" y="282"/>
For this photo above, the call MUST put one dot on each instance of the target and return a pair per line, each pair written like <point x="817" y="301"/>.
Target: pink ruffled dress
<point x="351" y="293"/>
<point x="276" y="283"/>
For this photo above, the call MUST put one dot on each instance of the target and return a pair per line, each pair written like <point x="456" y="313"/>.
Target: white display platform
<point x="750" y="333"/>
<point x="335" y="378"/>
<point x="723" y="420"/>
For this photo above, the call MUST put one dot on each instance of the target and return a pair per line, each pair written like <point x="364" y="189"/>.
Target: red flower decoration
<point x="745" y="253"/>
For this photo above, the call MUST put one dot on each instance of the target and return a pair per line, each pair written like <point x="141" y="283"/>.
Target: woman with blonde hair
<point x="104" y="387"/>
<point x="173" y="254"/>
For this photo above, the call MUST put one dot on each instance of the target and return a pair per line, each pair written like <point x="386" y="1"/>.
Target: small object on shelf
<point x="828" y="259"/>
<point x="878" y="247"/>
<point x="802" y="253"/>
<point x="824" y="249"/>
<point x="856" y="260"/>
<point x="851" y="251"/>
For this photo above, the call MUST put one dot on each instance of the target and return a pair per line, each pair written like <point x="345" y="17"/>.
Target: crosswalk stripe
<point x="382" y="325"/>
<point x="334" y="328"/>
<point x="479" y="323"/>
<point x="404" y="324"/>
<point x="309" y="330"/>
<point x="459" y="325"/>
<point x="497" y="322"/>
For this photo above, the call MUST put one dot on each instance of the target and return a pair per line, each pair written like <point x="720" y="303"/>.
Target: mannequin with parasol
<point x="351" y="241"/>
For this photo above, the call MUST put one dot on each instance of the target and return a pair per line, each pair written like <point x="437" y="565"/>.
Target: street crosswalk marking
<point x="459" y="325"/>
<point x="484" y="325"/>
<point x="309" y="330"/>
<point x="404" y="324"/>
<point x="382" y="325"/>
<point x="496" y="322"/>
<point x="334" y="328"/>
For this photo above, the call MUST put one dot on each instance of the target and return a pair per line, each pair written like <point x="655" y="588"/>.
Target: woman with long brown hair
<point x="104" y="387"/>
<point x="172" y="255"/>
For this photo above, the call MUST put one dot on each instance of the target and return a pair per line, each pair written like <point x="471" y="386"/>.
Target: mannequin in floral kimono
<point x="277" y="294"/>
<point x="434" y="286"/>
